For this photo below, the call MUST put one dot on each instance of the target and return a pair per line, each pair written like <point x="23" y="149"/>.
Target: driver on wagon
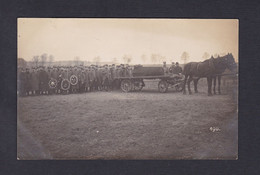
<point x="177" y="69"/>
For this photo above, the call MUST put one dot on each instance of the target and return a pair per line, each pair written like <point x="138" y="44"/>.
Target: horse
<point x="210" y="68"/>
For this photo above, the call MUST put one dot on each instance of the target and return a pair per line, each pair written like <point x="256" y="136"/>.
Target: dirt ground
<point x="136" y="125"/>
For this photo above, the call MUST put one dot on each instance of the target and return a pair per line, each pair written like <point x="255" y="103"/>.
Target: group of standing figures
<point x="79" y="79"/>
<point x="65" y="80"/>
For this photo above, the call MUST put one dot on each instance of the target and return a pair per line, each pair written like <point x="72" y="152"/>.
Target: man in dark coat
<point x="99" y="78"/>
<point x="43" y="80"/>
<point x="177" y="69"/>
<point x="105" y="78"/>
<point x="87" y="83"/>
<point x="35" y="81"/>
<point x="113" y="76"/>
<point x="92" y="78"/>
<point x="172" y="67"/>
<point x="55" y="75"/>
<point x="28" y="86"/>
<point x="59" y="73"/>
<point x="81" y="77"/>
<point x="22" y="81"/>
<point x="74" y="88"/>
<point x="165" y="68"/>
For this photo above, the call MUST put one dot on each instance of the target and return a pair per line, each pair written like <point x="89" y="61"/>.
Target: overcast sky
<point x="66" y="38"/>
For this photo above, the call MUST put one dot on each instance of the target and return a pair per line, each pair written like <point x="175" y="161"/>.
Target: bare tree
<point x="161" y="58"/>
<point x="205" y="55"/>
<point x="114" y="60"/>
<point x="144" y="58"/>
<point x="157" y="58"/>
<point x="43" y="59"/>
<point x="127" y="59"/>
<point x="76" y="60"/>
<point x="51" y="59"/>
<point x="154" y="58"/>
<point x="96" y="59"/>
<point x="35" y="60"/>
<point x="185" y="56"/>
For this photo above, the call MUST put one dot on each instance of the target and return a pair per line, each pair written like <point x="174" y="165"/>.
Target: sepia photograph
<point x="127" y="89"/>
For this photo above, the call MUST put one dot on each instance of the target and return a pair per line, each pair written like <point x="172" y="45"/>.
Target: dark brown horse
<point x="210" y="68"/>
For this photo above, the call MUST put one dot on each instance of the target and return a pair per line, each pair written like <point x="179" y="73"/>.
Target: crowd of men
<point x="36" y="80"/>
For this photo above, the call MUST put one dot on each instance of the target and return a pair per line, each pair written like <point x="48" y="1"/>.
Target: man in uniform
<point x="22" y="80"/>
<point x="118" y="74"/>
<point x="70" y="73"/>
<point x="100" y="78"/>
<point x="127" y="73"/>
<point x="43" y="80"/>
<point x="165" y="68"/>
<point x="28" y="87"/>
<point x="74" y="88"/>
<point x="177" y="69"/>
<point x="50" y="76"/>
<point x="172" y="67"/>
<point x="87" y="84"/>
<point x="113" y="75"/>
<point x="59" y="79"/>
<point x="35" y="81"/>
<point x="55" y="75"/>
<point x="81" y="80"/>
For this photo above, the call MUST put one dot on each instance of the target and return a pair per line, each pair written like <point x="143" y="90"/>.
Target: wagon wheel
<point x="163" y="86"/>
<point x="126" y="85"/>
<point x="65" y="84"/>
<point x="138" y="85"/>
<point x="179" y="86"/>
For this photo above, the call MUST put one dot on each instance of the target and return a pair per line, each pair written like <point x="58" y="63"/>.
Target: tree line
<point x="45" y="59"/>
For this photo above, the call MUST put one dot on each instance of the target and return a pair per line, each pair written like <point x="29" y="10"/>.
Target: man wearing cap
<point x="50" y="75"/>
<point x="22" y="80"/>
<point x="165" y="68"/>
<point x="43" y="80"/>
<point x="100" y="78"/>
<point x="55" y="75"/>
<point x="177" y="69"/>
<point x="28" y="86"/>
<point x="113" y="75"/>
<point x="60" y="78"/>
<point x="87" y="85"/>
<point x="91" y="74"/>
<point x="74" y="88"/>
<point x="81" y="80"/>
<point x="35" y="82"/>
<point x="172" y="67"/>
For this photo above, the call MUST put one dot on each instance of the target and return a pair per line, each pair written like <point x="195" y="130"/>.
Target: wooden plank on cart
<point x="145" y="77"/>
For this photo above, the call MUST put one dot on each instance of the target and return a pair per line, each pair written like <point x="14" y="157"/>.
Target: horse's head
<point x="230" y="62"/>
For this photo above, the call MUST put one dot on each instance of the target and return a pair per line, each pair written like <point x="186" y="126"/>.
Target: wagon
<point x="135" y="82"/>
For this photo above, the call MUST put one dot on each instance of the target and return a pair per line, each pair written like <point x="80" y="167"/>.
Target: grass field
<point x="137" y="125"/>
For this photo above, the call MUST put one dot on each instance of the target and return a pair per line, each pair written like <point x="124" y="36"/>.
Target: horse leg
<point x="209" y="80"/>
<point x="184" y="84"/>
<point x="196" y="85"/>
<point x="189" y="80"/>
<point x="214" y="88"/>
<point x="219" y="83"/>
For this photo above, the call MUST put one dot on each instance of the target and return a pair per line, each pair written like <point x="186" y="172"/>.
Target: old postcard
<point x="135" y="89"/>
